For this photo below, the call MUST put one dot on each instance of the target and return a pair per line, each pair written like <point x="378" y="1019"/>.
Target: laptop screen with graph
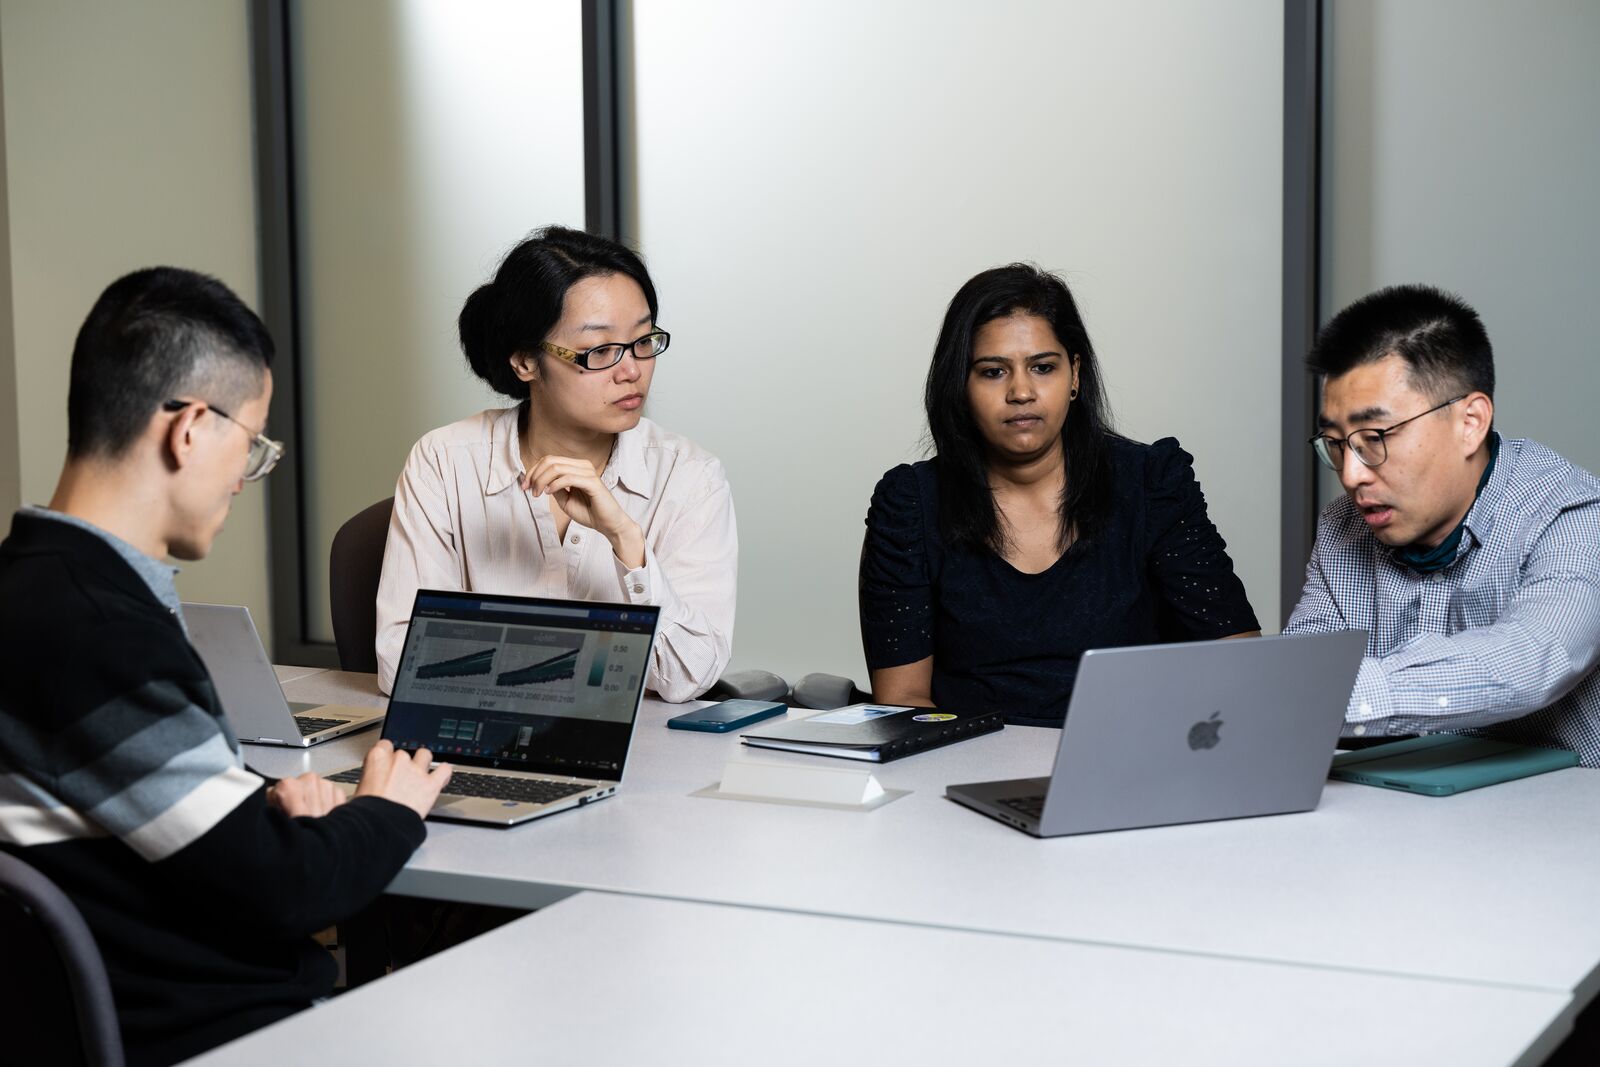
<point x="549" y="686"/>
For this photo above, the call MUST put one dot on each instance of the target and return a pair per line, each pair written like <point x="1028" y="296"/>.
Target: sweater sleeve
<point x="136" y="748"/>
<point x="295" y="876"/>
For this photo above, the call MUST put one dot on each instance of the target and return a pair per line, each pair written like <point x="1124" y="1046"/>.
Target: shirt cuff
<point x="646" y="584"/>
<point x="637" y="586"/>
<point x="1369" y="702"/>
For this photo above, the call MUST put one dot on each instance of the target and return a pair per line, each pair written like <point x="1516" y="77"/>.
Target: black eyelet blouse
<point x="1001" y="639"/>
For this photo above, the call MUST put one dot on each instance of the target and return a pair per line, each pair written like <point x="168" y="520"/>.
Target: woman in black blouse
<point x="1036" y="532"/>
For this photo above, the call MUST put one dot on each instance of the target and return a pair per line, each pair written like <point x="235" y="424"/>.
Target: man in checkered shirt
<point x="1471" y="560"/>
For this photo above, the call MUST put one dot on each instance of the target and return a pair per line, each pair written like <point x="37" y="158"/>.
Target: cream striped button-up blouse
<point x="462" y="522"/>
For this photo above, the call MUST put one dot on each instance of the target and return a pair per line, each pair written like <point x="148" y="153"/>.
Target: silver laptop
<point x="1194" y="732"/>
<point x="532" y="702"/>
<point x="228" y="644"/>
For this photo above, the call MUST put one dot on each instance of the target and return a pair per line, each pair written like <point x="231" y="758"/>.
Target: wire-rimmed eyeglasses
<point x="264" y="451"/>
<point x="1368" y="445"/>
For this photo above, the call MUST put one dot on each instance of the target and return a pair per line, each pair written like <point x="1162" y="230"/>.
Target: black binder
<point x="876" y="733"/>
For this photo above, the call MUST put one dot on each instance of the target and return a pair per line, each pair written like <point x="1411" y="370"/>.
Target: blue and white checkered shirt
<point x="1504" y="641"/>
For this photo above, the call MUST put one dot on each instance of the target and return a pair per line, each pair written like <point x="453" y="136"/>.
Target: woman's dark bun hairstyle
<point x="516" y="311"/>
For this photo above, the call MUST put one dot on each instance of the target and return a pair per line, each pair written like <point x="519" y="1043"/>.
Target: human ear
<point x="524" y="366"/>
<point x="181" y="436"/>
<point x="1477" y="416"/>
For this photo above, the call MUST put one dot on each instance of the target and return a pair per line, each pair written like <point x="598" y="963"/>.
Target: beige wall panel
<point x="1461" y="152"/>
<point x="128" y="144"/>
<point x="432" y="137"/>
<point x="816" y="179"/>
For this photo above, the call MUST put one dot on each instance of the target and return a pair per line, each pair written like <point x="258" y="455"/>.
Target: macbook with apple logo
<point x="1165" y="734"/>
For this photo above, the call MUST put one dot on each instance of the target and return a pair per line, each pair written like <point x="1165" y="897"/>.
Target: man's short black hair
<point x="154" y="335"/>
<point x="1440" y="337"/>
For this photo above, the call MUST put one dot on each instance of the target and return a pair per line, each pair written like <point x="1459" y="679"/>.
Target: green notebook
<point x="1440" y="765"/>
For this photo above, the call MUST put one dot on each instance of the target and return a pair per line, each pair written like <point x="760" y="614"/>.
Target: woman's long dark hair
<point x="517" y="309"/>
<point x="967" y="514"/>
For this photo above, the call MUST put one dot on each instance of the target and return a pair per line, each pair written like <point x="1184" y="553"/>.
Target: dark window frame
<point x="281" y="299"/>
<point x="1302" y="286"/>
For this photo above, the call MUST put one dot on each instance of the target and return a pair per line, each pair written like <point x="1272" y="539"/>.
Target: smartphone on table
<point x="726" y="716"/>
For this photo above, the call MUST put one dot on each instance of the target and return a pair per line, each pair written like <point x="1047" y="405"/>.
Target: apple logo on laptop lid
<point x="1204" y="734"/>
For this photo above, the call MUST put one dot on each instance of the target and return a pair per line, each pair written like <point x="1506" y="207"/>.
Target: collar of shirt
<point x="626" y="465"/>
<point x="1480" y="519"/>
<point x="157" y="574"/>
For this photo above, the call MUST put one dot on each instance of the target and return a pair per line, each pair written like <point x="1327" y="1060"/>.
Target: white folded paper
<point x="850" y="788"/>
<point x="799" y="781"/>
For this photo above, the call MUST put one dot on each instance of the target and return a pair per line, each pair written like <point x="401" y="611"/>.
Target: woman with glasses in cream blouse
<point x="570" y="493"/>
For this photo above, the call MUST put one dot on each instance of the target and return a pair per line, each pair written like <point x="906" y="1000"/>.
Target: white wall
<point x="127" y="144"/>
<point x="1461" y="151"/>
<point x="814" y="181"/>
<point x="432" y="138"/>
<point x="823" y="173"/>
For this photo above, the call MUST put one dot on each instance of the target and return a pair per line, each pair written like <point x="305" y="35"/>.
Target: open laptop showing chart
<point x="532" y="701"/>
<point x="252" y="699"/>
<point x="1193" y="732"/>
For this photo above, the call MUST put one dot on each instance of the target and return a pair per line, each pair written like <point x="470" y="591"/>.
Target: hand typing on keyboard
<point x="309" y="794"/>
<point x="410" y="779"/>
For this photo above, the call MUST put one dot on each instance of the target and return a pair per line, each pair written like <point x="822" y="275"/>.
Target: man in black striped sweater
<point x="119" y="777"/>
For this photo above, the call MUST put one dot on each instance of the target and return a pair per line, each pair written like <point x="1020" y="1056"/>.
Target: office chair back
<point x="824" y="692"/>
<point x="355" y="563"/>
<point x="55" y="999"/>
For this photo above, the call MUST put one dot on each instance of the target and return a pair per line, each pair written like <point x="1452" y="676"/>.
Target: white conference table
<point x="1495" y="886"/>
<point x="607" y="979"/>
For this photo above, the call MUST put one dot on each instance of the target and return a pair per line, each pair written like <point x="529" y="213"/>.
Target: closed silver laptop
<point x="1194" y="732"/>
<point x="531" y="701"/>
<point x="226" y="638"/>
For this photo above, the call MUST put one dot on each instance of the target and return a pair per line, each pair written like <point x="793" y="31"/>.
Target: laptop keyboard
<point x="1031" y="806"/>
<point x="492" y="786"/>
<point x="309" y="724"/>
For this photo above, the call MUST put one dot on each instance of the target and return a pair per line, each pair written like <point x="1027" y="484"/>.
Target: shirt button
<point x="1366" y="709"/>
<point x="637" y="588"/>
<point x="576" y="539"/>
<point x="1359" y="731"/>
<point x="1444" y="702"/>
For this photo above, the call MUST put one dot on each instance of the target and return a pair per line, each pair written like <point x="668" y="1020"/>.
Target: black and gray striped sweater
<point x="121" y="781"/>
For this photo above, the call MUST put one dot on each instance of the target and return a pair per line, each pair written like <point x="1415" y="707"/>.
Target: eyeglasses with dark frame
<point x="600" y="357"/>
<point x="264" y="451"/>
<point x="1368" y="445"/>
